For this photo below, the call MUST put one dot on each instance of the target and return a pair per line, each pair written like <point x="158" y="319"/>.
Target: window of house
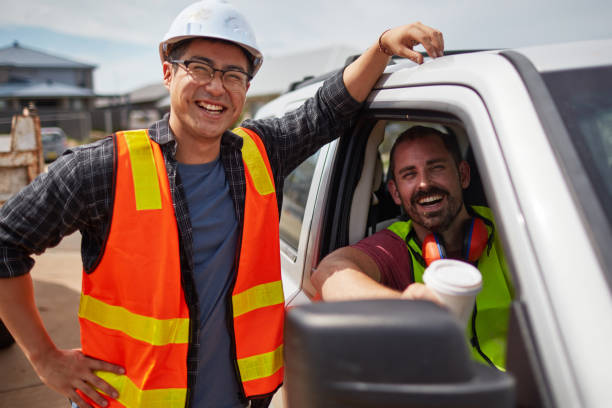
<point x="77" y="104"/>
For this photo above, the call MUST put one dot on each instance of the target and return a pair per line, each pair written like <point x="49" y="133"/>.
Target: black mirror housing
<point x="385" y="353"/>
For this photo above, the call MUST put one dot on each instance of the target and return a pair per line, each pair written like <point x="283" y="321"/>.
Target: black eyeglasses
<point x="233" y="79"/>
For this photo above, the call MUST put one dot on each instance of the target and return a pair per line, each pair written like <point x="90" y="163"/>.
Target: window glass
<point x="584" y="100"/>
<point x="392" y="130"/>
<point x="295" y="194"/>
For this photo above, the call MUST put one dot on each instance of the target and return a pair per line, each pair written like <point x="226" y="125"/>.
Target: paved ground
<point x="57" y="284"/>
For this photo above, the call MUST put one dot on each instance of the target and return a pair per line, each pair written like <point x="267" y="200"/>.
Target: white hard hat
<point x="213" y="19"/>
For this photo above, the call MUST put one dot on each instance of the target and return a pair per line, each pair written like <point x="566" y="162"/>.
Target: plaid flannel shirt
<point x="77" y="191"/>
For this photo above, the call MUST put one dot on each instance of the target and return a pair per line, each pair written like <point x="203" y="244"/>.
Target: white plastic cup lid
<point x="453" y="277"/>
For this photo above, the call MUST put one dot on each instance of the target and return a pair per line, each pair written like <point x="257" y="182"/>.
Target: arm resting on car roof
<point x="361" y="76"/>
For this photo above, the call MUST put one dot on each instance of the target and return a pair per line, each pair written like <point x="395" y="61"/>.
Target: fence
<point x="76" y="124"/>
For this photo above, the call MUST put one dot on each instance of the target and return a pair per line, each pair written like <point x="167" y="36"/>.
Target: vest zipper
<point x="230" y="315"/>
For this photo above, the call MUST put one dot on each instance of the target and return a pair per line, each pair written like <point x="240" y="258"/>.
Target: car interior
<point x="362" y="194"/>
<point x="372" y="207"/>
<point x="359" y="204"/>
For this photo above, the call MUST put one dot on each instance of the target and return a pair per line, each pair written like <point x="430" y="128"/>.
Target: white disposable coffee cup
<point x="456" y="283"/>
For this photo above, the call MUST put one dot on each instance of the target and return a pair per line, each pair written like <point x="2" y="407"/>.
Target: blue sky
<point x="121" y="37"/>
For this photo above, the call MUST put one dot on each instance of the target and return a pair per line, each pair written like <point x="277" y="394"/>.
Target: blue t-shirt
<point x="215" y="234"/>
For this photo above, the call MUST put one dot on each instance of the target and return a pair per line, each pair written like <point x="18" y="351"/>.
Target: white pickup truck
<point x="536" y="125"/>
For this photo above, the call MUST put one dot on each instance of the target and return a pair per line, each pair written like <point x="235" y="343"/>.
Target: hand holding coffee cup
<point x="418" y="291"/>
<point x="456" y="283"/>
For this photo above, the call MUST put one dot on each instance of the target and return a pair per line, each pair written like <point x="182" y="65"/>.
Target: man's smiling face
<point x="428" y="183"/>
<point x="204" y="111"/>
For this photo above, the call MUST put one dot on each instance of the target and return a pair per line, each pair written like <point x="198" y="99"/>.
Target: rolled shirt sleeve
<point x="390" y="254"/>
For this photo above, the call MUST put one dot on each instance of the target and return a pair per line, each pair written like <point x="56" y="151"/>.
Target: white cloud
<point x="290" y="26"/>
<point x="135" y="21"/>
<point x="286" y="25"/>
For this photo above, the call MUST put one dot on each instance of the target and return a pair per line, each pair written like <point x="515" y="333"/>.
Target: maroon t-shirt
<point x="391" y="255"/>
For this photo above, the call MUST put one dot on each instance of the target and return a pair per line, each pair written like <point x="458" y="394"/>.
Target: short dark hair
<point x="179" y="48"/>
<point x="419" y="132"/>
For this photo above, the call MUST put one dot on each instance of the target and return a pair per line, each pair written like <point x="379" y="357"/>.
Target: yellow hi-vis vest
<point x="493" y="301"/>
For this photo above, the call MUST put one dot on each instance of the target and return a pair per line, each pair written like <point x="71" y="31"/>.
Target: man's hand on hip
<point x="67" y="371"/>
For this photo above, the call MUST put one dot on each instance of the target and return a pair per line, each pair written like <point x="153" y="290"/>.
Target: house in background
<point x="134" y="110"/>
<point x="61" y="89"/>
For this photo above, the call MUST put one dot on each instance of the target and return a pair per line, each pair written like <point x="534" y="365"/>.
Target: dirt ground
<point x="57" y="284"/>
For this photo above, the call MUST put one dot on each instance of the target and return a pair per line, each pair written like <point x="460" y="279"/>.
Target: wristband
<point x="380" y="46"/>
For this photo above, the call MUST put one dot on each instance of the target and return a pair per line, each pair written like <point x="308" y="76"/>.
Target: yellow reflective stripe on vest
<point x="266" y="294"/>
<point x="255" y="164"/>
<point x="132" y="396"/>
<point x="261" y="365"/>
<point x="144" y="173"/>
<point x="157" y="332"/>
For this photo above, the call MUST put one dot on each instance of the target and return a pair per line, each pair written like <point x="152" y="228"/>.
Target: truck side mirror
<point x="385" y="353"/>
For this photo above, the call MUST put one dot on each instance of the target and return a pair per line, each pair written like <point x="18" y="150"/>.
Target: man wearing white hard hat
<point x="182" y="302"/>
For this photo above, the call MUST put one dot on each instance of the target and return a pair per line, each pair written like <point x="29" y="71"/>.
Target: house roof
<point x="163" y="103"/>
<point x="148" y="93"/>
<point x="47" y="89"/>
<point x="19" y="56"/>
<point x="277" y="73"/>
<point x="151" y="93"/>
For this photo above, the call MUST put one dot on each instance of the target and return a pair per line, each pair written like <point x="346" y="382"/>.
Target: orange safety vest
<point x="133" y="311"/>
<point x="258" y="303"/>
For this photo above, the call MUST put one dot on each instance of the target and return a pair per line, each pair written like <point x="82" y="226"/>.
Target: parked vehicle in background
<point x="535" y="124"/>
<point x="54" y="142"/>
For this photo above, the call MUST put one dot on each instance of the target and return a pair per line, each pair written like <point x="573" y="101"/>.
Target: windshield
<point x="584" y="100"/>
